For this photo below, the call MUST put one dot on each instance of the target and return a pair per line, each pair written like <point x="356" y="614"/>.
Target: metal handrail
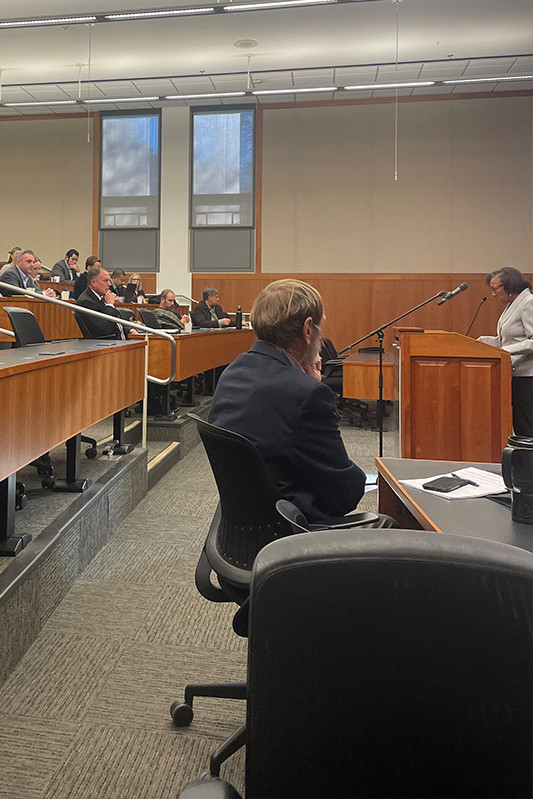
<point x="119" y="322"/>
<point x="7" y="332"/>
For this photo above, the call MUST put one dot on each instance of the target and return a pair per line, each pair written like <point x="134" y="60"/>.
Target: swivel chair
<point x="149" y="319"/>
<point x="245" y="521"/>
<point x="393" y="664"/>
<point x="332" y="377"/>
<point x="127" y="314"/>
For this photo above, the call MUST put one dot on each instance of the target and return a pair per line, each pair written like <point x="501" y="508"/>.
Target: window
<point x="129" y="193"/>
<point x="223" y="169"/>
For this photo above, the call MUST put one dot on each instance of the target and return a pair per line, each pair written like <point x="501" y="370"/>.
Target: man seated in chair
<point x="99" y="297"/>
<point x="167" y="313"/>
<point x="273" y="396"/>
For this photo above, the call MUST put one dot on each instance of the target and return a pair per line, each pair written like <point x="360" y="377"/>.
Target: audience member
<point x="118" y="279"/>
<point x="98" y="296"/>
<point x="10" y="256"/>
<point x="67" y="268"/>
<point x="273" y="396"/>
<point x="81" y="282"/>
<point x="136" y="280"/>
<point x="209" y="313"/>
<point x="167" y="313"/>
<point x="20" y="274"/>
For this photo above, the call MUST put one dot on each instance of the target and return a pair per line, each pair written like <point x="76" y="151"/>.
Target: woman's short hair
<point x="513" y="281"/>
<point x="280" y="310"/>
<point x="70" y="253"/>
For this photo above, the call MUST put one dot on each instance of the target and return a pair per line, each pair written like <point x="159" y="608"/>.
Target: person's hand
<point x="185" y="318"/>
<point x="225" y="321"/>
<point x="50" y="293"/>
<point x="314" y="370"/>
<point x="246" y="324"/>
<point x="110" y="297"/>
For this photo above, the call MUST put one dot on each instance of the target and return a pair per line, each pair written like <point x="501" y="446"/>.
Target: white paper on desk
<point x="488" y="483"/>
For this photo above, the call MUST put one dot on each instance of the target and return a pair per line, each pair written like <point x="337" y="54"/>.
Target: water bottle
<point x="238" y="318"/>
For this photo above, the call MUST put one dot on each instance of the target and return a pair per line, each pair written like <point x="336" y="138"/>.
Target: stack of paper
<point x="487" y="483"/>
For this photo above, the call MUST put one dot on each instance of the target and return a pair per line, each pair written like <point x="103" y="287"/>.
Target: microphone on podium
<point x="450" y="294"/>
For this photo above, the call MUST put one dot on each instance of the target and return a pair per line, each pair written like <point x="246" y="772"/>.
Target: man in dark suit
<point x="98" y="297"/>
<point x="273" y="396"/>
<point x="209" y="313"/>
<point x="67" y="268"/>
<point x="20" y="274"/>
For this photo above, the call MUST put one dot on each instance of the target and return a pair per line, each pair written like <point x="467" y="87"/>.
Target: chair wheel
<point x="91" y="452"/>
<point x="182" y="714"/>
<point x="48" y="482"/>
<point x="21" y="500"/>
<point x="127" y="413"/>
<point x="41" y="470"/>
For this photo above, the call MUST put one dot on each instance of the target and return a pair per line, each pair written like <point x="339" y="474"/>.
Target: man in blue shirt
<point x="20" y="275"/>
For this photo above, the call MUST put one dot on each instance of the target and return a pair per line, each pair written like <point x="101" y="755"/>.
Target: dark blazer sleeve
<point x="12" y="277"/>
<point x="60" y="269"/>
<point x="201" y="317"/>
<point x="99" y="327"/>
<point x="331" y="482"/>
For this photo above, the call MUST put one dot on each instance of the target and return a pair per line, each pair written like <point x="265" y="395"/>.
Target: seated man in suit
<point x="118" y="281"/>
<point x="20" y="274"/>
<point x="81" y="282"/>
<point x="273" y="396"/>
<point x="167" y="313"/>
<point x="99" y="297"/>
<point x="209" y="313"/>
<point x="67" y="268"/>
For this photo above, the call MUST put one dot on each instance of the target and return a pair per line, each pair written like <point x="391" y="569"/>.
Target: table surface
<point x="477" y="518"/>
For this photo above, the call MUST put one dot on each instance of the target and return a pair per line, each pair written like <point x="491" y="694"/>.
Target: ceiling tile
<point x="432" y="90"/>
<point x="313" y="97"/>
<point x="523" y="62"/>
<point x="386" y="74"/>
<point x="352" y="95"/>
<point x="313" y="75"/>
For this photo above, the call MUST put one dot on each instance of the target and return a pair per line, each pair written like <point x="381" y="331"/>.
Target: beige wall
<point x="47" y="187"/>
<point x="462" y="202"/>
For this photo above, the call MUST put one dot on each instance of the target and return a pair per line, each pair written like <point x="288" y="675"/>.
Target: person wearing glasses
<point x="514" y="334"/>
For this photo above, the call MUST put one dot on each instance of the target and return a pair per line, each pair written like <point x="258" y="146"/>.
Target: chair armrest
<point x="355" y="520"/>
<point x="209" y="789"/>
<point x="202" y="578"/>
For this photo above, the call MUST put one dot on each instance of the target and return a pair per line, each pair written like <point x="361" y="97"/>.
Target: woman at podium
<point x="512" y="289"/>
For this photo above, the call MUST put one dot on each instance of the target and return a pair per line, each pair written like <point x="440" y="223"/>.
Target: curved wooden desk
<point x="198" y="351"/>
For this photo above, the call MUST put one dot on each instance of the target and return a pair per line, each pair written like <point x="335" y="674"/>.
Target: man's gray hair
<point x="18" y="255"/>
<point x="210" y="291"/>
<point x="280" y="310"/>
<point x="93" y="273"/>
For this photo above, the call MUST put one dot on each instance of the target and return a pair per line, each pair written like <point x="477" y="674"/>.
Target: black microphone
<point x="450" y="294"/>
<point x="475" y="315"/>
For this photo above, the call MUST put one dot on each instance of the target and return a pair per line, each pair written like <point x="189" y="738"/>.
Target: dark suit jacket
<point x="291" y="418"/>
<point x="99" y="328"/>
<point x="80" y="285"/>
<point x="12" y="276"/>
<point x="201" y="315"/>
<point x="61" y="270"/>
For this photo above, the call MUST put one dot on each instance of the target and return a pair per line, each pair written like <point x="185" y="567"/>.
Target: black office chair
<point x="86" y="333"/>
<point x="245" y="521"/>
<point x="394" y="664"/>
<point x="332" y="377"/>
<point x="149" y="319"/>
<point x="28" y="331"/>
<point x="127" y="314"/>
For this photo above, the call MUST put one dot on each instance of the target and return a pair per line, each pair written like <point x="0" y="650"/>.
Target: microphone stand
<point x="380" y="333"/>
<point x="475" y="315"/>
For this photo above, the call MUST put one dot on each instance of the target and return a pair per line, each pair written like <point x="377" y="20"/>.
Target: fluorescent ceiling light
<point x="42" y="102"/>
<point x="276" y="4"/>
<point x="389" y="86"/>
<point x="489" y="80"/>
<point x="153" y="14"/>
<point x="121" y="99"/>
<point x="57" y="21"/>
<point x="297" y="91"/>
<point x="200" y="96"/>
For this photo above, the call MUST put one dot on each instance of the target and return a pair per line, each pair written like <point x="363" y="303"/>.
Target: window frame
<point x="233" y="108"/>
<point x="130" y="112"/>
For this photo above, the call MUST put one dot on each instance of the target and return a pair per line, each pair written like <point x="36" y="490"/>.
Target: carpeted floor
<point x="86" y="713"/>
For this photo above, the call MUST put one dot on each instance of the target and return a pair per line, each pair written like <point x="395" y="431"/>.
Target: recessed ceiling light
<point x="275" y="4"/>
<point x="201" y="96"/>
<point x="489" y="80"/>
<point x="245" y="44"/>
<point x="297" y="91"/>
<point x="25" y="23"/>
<point x="389" y="86"/>
<point x="176" y="12"/>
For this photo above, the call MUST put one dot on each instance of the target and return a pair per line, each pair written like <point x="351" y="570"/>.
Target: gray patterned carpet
<point x="86" y="713"/>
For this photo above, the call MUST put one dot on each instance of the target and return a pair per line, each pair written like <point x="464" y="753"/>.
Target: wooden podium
<point x="454" y="395"/>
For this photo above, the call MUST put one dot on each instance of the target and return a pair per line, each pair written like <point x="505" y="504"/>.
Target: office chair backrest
<point x="127" y="314"/>
<point x="86" y="333"/>
<point x="248" y="496"/>
<point x="25" y="326"/>
<point x="390" y="664"/>
<point x="149" y="319"/>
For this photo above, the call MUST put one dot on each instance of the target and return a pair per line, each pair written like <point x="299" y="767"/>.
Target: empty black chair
<point x="25" y="326"/>
<point x="332" y="377"/>
<point x="127" y="314"/>
<point x="86" y="333"/>
<point x="245" y="521"/>
<point x="149" y="319"/>
<point x="388" y="664"/>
